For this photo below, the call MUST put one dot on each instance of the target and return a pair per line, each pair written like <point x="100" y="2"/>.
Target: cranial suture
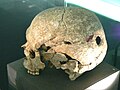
<point x="70" y="38"/>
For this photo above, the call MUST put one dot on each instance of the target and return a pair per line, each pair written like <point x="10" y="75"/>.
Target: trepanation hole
<point x="98" y="40"/>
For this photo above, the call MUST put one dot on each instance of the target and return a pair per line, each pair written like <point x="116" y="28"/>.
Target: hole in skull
<point x="67" y="42"/>
<point x="68" y="57"/>
<point x="62" y="62"/>
<point x="48" y="47"/>
<point x="32" y="54"/>
<point x="98" y="40"/>
<point x="44" y="48"/>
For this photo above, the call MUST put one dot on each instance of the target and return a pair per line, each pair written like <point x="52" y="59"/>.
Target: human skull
<point x="70" y="38"/>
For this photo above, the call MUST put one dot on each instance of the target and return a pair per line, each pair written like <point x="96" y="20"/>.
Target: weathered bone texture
<point x="69" y="38"/>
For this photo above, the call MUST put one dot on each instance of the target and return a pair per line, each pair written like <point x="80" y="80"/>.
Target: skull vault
<point x="70" y="38"/>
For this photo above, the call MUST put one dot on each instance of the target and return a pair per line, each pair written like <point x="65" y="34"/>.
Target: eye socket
<point x="98" y="40"/>
<point x="67" y="42"/>
<point x="32" y="54"/>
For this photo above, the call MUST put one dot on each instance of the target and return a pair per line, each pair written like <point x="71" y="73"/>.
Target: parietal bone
<point x="70" y="38"/>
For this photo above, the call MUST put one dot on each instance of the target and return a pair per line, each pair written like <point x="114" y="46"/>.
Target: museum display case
<point x="15" y="18"/>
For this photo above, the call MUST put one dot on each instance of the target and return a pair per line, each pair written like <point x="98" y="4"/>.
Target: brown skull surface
<point x="70" y="38"/>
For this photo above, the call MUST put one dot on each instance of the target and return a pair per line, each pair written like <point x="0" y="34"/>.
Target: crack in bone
<point x="62" y="19"/>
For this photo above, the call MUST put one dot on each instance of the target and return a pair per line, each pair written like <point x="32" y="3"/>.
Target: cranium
<point x="71" y="38"/>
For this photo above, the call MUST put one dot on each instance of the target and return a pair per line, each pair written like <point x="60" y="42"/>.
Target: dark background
<point x="16" y="16"/>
